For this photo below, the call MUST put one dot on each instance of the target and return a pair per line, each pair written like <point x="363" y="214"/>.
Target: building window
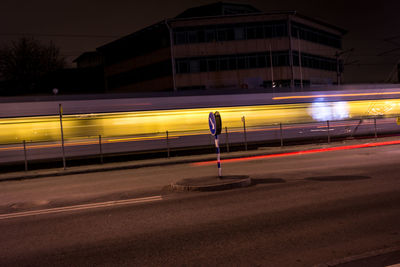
<point x="230" y="32"/>
<point x="222" y="35"/>
<point x="280" y="59"/>
<point x="307" y="33"/>
<point x="180" y="37"/>
<point x="192" y="37"/>
<point x="212" y="64"/>
<point x="241" y="62"/>
<point x="253" y="61"/>
<point x="239" y="33"/>
<point x="280" y="30"/>
<point x="224" y="63"/>
<point x="203" y="64"/>
<point x="232" y="63"/>
<point x="285" y="83"/>
<point x="258" y="30"/>
<point x="210" y="36"/>
<point x="314" y="62"/>
<point x="183" y="66"/>
<point x="251" y="32"/>
<point x="262" y="61"/>
<point x="194" y="65"/>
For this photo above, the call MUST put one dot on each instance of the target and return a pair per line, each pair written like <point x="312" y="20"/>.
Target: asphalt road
<point x="302" y="210"/>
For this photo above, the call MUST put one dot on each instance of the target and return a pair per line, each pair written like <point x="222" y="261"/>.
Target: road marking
<point x="81" y="207"/>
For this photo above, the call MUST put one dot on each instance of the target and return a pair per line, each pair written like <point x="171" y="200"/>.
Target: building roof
<point x="86" y="55"/>
<point x="324" y="23"/>
<point x="130" y="37"/>
<point x="218" y="9"/>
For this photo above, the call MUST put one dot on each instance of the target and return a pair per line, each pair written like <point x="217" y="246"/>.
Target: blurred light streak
<point x="138" y="139"/>
<point x="303" y="152"/>
<point x="335" y="95"/>
<point x="328" y="111"/>
<point x="189" y="121"/>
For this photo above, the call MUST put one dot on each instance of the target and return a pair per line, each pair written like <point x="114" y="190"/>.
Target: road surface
<point x="302" y="210"/>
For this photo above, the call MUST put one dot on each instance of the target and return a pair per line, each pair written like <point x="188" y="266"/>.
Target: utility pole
<point x="272" y="67"/>
<point x="398" y="71"/>
<point x="396" y="67"/>
<point x="301" y="71"/>
<point x="289" y="27"/>
<point x="338" y="69"/>
<point x="392" y="74"/>
<point x="171" y="44"/>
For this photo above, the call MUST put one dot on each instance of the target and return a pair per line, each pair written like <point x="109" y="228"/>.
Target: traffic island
<point x="211" y="183"/>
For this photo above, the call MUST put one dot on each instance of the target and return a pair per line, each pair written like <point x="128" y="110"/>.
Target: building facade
<point x="89" y="60"/>
<point x="225" y="45"/>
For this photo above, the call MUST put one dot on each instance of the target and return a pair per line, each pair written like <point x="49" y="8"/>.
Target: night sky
<point x="77" y="26"/>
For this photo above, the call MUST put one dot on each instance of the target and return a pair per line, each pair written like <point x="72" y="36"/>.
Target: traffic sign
<point x="215" y="123"/>
<point x="211" y="123"/>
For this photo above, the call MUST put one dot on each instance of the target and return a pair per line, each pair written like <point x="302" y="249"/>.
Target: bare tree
<point x="25" y="62"/>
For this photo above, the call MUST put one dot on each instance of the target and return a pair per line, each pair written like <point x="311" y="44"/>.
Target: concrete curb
<point x="363" y="259"/>
<point x="211" y="183"/>
<point x="71" y="171"/>
<point x="131" y="165"/>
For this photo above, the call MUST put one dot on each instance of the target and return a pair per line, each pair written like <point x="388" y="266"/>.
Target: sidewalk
<point x="180" y="160"/>
<point x="389" y="257"/>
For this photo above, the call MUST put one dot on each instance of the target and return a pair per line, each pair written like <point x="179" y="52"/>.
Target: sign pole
<point x="227" y="139"/>
<point x="26" y="161"/>
<point x="329" y="134"/>
<point x="168" y="153"/>
<point x="215" y="125"/>
<point x="244" y="132"/>
<point x="218" y="156"/>
<point x="101" y="150"/>
<point x="62" y="135"/>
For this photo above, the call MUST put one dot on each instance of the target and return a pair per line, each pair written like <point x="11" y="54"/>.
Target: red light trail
<point x="311" y="151"/>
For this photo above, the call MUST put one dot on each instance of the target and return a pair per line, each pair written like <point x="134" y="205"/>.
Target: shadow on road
<point x="255" y="181"/>
<point x="338" y="178"/>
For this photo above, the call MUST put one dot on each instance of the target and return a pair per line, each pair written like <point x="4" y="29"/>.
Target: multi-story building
<point x="225" y="45"/>
<point x="89" y="60"/>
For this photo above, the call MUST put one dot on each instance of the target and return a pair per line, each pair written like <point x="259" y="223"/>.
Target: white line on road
<point x="81" y="207"/>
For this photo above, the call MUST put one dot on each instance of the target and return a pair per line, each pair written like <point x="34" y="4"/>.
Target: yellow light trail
<point x="335" y="95"/>
<point x="179" y="122"/>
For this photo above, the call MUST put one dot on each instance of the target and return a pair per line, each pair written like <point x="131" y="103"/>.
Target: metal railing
<point x="239" y="138"/>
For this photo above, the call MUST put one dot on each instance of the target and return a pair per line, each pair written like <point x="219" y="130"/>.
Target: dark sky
<point x="77" y="26"/>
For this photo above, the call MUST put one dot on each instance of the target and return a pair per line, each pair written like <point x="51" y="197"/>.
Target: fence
<point x="165" y="143"/>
